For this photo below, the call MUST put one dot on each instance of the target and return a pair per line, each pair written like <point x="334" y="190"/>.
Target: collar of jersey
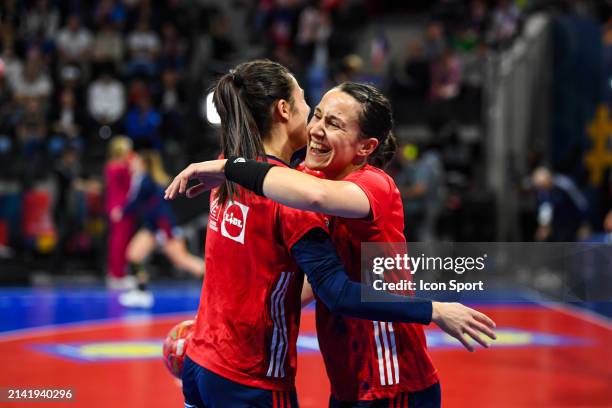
<point x="269" y="156"/>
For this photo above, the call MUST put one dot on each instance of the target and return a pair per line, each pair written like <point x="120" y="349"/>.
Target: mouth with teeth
<point x="318" y="148"/>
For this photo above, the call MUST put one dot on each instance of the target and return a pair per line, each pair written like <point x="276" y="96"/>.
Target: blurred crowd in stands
<point x="74" y="74"/>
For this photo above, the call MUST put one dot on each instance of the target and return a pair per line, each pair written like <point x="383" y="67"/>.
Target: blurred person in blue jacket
<point x="562" y="208"/>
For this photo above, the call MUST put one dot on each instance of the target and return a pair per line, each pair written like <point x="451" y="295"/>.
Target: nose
<point x="315" y="130"/>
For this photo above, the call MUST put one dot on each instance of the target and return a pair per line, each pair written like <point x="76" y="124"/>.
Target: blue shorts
<point x="428" y="398"/>
<point x="204" y="389"/>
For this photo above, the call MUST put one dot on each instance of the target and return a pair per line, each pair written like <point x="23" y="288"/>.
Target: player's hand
<point x="458" y="320"/>
<point x="208" y="173"/>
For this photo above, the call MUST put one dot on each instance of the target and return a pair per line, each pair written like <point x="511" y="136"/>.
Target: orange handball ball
<point x="175" y="347"/>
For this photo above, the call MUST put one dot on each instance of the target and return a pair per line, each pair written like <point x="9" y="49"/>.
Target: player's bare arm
<point x="283" y="185"/>
<point x="208" y="173"/>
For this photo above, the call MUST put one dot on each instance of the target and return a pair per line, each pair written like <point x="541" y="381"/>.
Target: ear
<point x="367" y="146"/>
<point x="282" y="108"/>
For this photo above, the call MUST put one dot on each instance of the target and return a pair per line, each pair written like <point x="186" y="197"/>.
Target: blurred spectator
<point x="31" y="129"/>
<point x="445" y="76"/>
<point x="348" y="19"/>
<point x="143" y="46"/>
<point x="562" y="208"/>
<point x="464" y="40"/>
<point x="74" y="42"/>
<point x="505" y="21"/>
<point x="284" y="55"/>
<point x="142" y="123"/>
<point x="12" y="12"/>
<point x="415" y="77"/>
<point x="445" y="86"/>
<point x="473" y="66"/>
<point x="448" y="12"/>
<point x="180" y="14"/>
<point x="70" y="77"/>
<point x="173" y="53"/>
<point x="379" y="52"/>
<point x="223" y="47"/>
<point x="280" y="24"/>
<point x="117" y="180"/>
<point x="200" y="52"/>
<point x="458" y="157"/>
<point x="171" y="105"/>
<point x="33" y="83"/>
<point x="12" y="64"/>
<point x="313" y="28"/>
<point x="66" y="171"/>
<point x="7" y="105"/>
<point x="106" y="99"/>
<point x="422" y="183"/>
<point x="607" y="58"/>
<point x="477" y="18"/>
<point x="351" y="69"/>
<point x="108" y="45"/>
<point x="142" y="10"/>
<point x="435" y="43"/>
<point x="43" y="46"/>
<point x="67" y="117"/>
<point x="41" y="18"/>
<point x="110" y="12"/>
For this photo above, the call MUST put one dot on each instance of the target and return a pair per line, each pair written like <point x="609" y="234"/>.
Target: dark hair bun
<point x="384" y="152"/>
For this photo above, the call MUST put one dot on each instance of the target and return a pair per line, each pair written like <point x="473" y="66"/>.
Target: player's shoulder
<point x="372" y="178"/>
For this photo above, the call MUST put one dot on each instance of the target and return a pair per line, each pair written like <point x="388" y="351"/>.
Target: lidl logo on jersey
<point x="234" y="221"/>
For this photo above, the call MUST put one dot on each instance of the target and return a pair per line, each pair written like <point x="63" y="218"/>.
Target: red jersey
<point x="247" y="323"/>
<point x="367" y="360"/>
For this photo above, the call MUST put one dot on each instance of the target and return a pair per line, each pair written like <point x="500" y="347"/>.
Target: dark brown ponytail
<point x="244" y="99"/>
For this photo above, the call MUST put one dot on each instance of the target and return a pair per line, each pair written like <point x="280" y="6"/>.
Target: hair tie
<point x="236" y="79"/>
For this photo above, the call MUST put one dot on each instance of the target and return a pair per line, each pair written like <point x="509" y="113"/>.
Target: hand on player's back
<point x="456" y="320"/>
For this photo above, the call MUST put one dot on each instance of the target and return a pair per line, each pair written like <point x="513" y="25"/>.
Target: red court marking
<point x="535" y="376"/>
<point x="101" y="384"/>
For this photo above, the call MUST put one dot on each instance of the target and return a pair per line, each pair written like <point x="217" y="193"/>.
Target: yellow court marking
<point x="119" y="349"/>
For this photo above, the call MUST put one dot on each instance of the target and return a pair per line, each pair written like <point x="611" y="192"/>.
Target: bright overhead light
<point x="210" y="112"/>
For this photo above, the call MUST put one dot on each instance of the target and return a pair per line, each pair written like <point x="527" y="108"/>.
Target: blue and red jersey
<point x="146" y="202"/>
<point x="248" y="319"/>
<point x="367" y="360"/>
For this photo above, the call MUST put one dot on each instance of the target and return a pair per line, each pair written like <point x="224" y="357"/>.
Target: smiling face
<point x="335" y="145"/>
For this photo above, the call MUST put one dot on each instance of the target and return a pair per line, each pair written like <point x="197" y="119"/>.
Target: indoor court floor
<point x="546" y="355"/>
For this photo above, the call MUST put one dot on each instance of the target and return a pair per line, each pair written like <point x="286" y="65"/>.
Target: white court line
<point x="85" y="325"/>
<point x="570" y="310"/>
